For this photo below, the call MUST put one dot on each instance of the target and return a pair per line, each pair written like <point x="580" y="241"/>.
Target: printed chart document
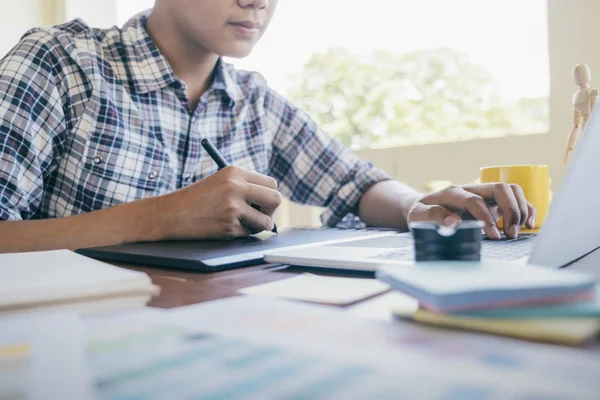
<point x="257" y="348"/>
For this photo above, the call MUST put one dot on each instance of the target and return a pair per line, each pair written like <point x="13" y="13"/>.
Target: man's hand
<point x="487" y="202"/>
<point x="219" y="206"/>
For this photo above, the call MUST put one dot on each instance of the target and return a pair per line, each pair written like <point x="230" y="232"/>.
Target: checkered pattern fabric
<point x="91" y="118"/>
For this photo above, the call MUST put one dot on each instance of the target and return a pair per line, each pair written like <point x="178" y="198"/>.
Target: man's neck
<point x="192" y="64"/>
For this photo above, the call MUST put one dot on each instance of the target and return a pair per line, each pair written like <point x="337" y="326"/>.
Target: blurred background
<point x="429" y="90"/>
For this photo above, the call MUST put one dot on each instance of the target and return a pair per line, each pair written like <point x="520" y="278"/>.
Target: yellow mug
<point x="533" y="179"/>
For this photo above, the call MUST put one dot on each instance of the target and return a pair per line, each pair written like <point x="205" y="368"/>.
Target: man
<point x="100" y="140"/>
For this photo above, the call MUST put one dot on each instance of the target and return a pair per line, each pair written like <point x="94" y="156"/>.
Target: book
<point x="452" y="286"/>
<point x="66" y="280"/>
<point x="584" y="309"/>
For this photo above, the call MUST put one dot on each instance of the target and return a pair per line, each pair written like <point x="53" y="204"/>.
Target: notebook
<point x="66" y="280"/>
<point x="585" y="309"/>
<point x="451" y="286"/>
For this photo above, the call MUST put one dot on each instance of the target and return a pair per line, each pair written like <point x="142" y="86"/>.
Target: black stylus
<point x="222" y="163"/>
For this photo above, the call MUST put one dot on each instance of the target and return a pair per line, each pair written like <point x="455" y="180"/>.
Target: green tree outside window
<point x="386" y="99"/>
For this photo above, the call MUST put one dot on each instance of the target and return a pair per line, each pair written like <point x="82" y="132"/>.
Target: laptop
<point x="571" y="229"/>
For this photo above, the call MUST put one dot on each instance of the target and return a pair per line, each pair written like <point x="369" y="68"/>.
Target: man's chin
<point x="238" y="51"/>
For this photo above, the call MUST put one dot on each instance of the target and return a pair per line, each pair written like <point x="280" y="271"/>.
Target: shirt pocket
<point x="126" y="167"/>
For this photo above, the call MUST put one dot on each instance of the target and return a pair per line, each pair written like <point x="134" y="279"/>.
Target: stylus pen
<point x="222" y="163"/>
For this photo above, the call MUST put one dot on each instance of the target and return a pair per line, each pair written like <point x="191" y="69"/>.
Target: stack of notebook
<point x="524" y="301"/>
<point x="66" y="280"/>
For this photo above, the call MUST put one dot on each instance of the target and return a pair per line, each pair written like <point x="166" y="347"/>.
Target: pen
<point x="222" y="163"/>
<point x="214" y="154"/>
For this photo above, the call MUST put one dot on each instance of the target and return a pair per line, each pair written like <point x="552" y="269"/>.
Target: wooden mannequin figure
<point x="584" y="100"/>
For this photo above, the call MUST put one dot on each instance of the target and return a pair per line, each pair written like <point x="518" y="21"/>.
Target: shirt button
<point x="188" y="177"/>
<point x="97" y="160"/>
<point x="152" y="174"/>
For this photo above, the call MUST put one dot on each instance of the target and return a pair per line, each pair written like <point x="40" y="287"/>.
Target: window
<point x="389" y="73"/>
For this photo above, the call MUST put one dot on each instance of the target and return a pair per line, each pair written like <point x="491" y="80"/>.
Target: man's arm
<point x="214" y="207"/>
<point x="315" y="169"/>
<point x="312" y="167"/>
<point x="387" y="204"/>
<point x="127" y="222"/>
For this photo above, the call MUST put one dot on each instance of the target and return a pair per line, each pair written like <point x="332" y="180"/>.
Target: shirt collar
<point x="224" y="78"/>
<point x="149" y="70"/>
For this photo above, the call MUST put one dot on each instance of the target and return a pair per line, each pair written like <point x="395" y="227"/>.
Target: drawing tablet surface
<point x="217" y="255"/>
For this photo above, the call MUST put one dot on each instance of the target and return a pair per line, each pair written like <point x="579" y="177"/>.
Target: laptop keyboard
<point x="503" y="249"/>
<point x="507" y="249"/>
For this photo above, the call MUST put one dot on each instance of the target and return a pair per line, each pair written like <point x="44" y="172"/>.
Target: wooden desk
<point x="181" y="288"/>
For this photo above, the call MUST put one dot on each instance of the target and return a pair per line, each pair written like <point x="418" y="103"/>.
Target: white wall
<point x="16" y="18"/>
<point x="96" y="13"/>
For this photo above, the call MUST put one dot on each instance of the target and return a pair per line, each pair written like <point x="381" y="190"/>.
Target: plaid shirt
<point x="91" y="118"/>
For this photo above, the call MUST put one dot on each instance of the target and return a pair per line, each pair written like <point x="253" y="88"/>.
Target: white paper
<point x="54" y="366"/>
<point x="380" y="307"/>
<point x="260" y="348"/>
<point x="320" y="289"/>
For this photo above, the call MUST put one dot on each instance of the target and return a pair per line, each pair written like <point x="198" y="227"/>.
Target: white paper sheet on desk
<point x="425" y="358"/>
<point x="42" y="357"/>
<point x="154" y="358"/>
<point x="260" y="348"/>
<point x="379" y="308"/>
<point x="320" y="289"/>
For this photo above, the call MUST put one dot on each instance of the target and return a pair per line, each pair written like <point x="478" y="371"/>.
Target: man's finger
<point x="494" y="210"/>
<point x="504" y="197"/>
<point x="267" y="199"/>
<point x="511" y="214"/>
<point x="477" y="207"/>
<point x="532" y="214"/>
<point x="485" y="191"/>
<point x="522" y="203"/>
<point x="256" y="220"/>
<point x="435" y="213"/>
<point x="259" y="179"/>
<point x="239" y="229"/>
